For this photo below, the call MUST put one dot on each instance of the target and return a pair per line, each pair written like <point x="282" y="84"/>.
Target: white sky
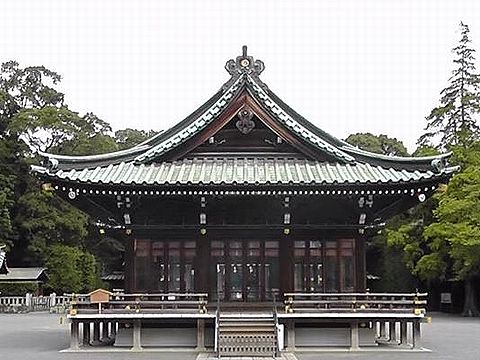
<point x="347" y="66"/>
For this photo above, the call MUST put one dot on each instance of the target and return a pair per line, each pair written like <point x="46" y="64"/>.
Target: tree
<point x="32" y="110"/>
<point x="71" y="269"/>
<point x="454" y="236"/>
<point x="453" y="121"/>
<point x="128" y="138"/>
<point x="381" y="144"/>
<point x="44" y="219"/>
<point x="440" y="238"/>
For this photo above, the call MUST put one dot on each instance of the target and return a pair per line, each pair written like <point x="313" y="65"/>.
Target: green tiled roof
<point x="149" y="163"/>
<point x="242" y="171"/>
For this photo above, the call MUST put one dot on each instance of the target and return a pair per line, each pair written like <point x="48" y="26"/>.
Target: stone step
<point x="245" y="323"/>
<point x="247" y="334"/>
<point x="247" y="329"/>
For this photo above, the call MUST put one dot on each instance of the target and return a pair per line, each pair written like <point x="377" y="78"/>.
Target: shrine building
<point x="245" y="204"/>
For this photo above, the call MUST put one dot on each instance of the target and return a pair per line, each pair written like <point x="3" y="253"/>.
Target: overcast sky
<point x="347" y="66"/>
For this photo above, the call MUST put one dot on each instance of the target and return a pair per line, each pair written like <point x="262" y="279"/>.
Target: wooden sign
<point x="99" y="296"/>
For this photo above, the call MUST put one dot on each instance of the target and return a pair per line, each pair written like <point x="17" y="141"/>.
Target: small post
<point x="392" y="331"/>
<point x="96" y="333"/>
<point x="354" y="336"/>
<point x="200" y="335"/>
<point x="53" y="299"/>
<point x="403" y="333"/>
<point x="113" y="330"/>
<point x="74" y="340"/>
<point x="382" y="331"/>
<point x="137" y="328"/>
<point x="291" y="335"/>
<point x="86" y="333"/>
<point x="104" y="330"/>
<point x="416" y="335"/>
<point x="28" y="301"/>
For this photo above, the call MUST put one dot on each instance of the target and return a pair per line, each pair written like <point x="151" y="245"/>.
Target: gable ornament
<point x="245" y="124"/>
<point x="244" y="65"/>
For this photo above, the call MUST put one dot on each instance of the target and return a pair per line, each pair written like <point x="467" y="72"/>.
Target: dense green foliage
<point x="128" y="138"/>
<point x="18" y="288"/>
<point x="39" y="227"/>
<point x="381" y="144"/>
<point x="453" y="121"/>
<point x="440" y="239"/>
<point x="71" y="270"/>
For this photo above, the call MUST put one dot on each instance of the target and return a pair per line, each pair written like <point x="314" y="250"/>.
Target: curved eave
<point x="83" y="159"/>
<point x="163" y="143"/>
<point x="421" y="160"/>
<point x="340" y="148"/>
<point x="200" y="119"/>
<point x="241" y="173"/>
<point x="65" y="161"/>
<point x="281" y="112"/>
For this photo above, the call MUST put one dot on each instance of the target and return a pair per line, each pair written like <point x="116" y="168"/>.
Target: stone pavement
<point x="40" y="336"/>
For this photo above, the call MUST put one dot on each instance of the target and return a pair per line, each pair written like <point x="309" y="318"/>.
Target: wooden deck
<point x="390" y="319"/>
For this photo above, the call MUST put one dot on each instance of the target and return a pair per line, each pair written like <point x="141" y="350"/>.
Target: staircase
<point x="246" y="334"/>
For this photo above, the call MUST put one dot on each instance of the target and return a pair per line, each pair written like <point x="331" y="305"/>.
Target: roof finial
<point x="244" y="64"/>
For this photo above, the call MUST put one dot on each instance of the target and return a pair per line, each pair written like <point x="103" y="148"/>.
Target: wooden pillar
<point x="354" y="336"/>
<point x="287" y="268"/>
<point x="74" y="335"/>
<point x="290" y="335"/>
<point x="416" y="334"/>
<point x="129" y="264"/>
<point x="86" y="333"/>
<point x="200" y="335"/>
<point x="96" y="333"/>
<point x="382" y="331"/>
<point x="137" y="341"/>
<point x="203" y="265"/>
<point x="392" y="331"/>
<point x="360" y="268"/>
<point x="113" y="329"/>
<point x="403" y="340"/>
<point x="104" y="330"/>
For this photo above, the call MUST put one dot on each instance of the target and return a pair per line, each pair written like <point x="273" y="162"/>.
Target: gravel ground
<point x="42" y="336"/>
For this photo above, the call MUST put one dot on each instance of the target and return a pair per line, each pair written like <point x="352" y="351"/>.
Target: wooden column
<point x="96" y="333"/>
<point x="382" y="330"/>
<point x="354" y="336"/>
<point x="416" y="335"/>
<point x="200" y="335"/>
<point x="360" y="263"/>
<point x="113" y="329"/>
<point x="202" y="262"/>
<point x="105" y="332"/>
<point x="129" y="264"/>
<point x="392" y="331"/>
<point x="74" y="335"/>
<point x="291" y="335"/>
<point x="403" y="340"/>
<point x="137" y="341"/>
<point x="86" y="333"/>
<point x="287" y="264"/>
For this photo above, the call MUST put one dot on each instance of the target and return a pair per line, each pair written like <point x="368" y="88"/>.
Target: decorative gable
<point x="244" y="134"/>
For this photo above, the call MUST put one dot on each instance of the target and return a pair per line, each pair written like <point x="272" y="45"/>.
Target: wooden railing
<point x="13" y="301"/>
<point x="119" y="303"/>
<point x="414" y="303"/>
<point x="27" y="303"/>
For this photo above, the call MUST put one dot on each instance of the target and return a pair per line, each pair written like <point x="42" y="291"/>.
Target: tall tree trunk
<point x="470" y="306"/>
